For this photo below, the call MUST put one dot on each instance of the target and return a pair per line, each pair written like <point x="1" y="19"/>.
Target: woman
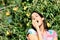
<point x="39" y="29"/>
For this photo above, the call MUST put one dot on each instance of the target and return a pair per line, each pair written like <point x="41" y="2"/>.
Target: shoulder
<point x="52" y="32"/>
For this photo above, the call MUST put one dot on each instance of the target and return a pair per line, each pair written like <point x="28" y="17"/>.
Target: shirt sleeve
<point x="31" y="31"/>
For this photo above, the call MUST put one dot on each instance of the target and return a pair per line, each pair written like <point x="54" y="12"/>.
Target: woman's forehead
<point x="34" y="14"/>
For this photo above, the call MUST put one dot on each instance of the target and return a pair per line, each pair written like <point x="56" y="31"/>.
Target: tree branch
<point x="6" y="7"/>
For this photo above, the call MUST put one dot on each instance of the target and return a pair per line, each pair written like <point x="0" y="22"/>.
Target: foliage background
<point x="15" y="17"/>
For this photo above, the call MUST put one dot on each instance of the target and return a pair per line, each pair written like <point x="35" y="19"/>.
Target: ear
<point x="42" y="18"/>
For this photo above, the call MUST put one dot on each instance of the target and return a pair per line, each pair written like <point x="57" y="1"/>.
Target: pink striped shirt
<point x="50" y="34"/>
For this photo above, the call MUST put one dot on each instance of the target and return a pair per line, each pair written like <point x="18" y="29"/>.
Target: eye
<point x="37" y="21"/>
<point x="33" y="18"/>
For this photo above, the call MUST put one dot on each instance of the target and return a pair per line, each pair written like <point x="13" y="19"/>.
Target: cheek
<point x="32" y="21"/>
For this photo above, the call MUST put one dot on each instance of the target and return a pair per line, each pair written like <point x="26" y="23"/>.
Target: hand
<point x="36" y="24"/>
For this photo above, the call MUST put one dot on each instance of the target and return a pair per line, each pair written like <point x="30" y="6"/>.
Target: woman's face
<point x="36" y="18"/>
